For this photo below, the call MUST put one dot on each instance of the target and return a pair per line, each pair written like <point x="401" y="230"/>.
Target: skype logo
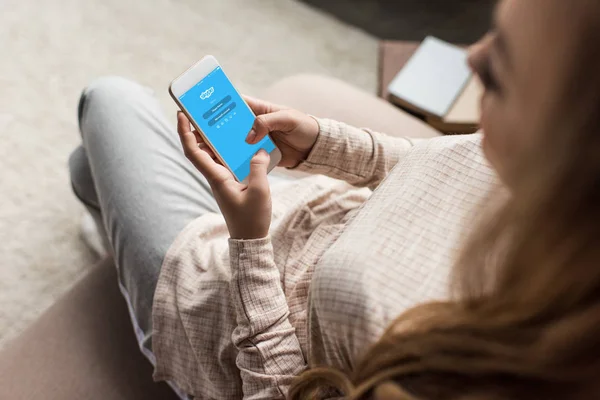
<point x="207" y="93"/>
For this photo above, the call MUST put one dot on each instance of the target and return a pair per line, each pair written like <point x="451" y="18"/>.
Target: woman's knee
<point x="81" y="178"/>
<point x="109" y="91"/>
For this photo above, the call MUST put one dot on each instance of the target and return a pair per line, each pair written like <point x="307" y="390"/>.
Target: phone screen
<point x="225" y="119"/>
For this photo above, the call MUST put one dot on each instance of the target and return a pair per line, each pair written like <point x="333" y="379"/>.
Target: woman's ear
<point x="390" y="391"/>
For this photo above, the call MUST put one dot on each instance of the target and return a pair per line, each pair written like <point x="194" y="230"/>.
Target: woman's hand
<point x="294" y="132"/>
<point x="246" y="208"/>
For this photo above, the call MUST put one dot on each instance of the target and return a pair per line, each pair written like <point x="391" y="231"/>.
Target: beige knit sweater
<point x="239" y="319"/>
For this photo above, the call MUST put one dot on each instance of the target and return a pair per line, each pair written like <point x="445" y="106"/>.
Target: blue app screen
<point x="225" y="119"/>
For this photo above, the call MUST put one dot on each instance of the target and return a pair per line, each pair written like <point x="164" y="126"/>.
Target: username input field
<point x="223" y="112"/>
<point x="216" y="107"/>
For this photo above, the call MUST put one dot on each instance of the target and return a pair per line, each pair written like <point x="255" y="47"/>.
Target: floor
<point x="52" y="48"/>
<point x="458" y="21"/>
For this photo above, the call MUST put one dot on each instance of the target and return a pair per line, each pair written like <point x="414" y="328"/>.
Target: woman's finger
<point x="257" y="106"/>
<point x="187" y="137"/>
<point x="199" y="137"/>
<point x="186" y="125"/>
<point x="283" y="121"/>
<point x="259" y="165"/>
<point x="212" y="171"/>
<point x="204" y="147"/>
<point x="183" y="123"/>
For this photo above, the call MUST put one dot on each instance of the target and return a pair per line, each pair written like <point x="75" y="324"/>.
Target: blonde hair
<point x="528" y="325"/>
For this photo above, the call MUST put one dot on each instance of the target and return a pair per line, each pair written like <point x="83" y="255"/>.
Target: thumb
<point x="282" y="120"/>
<point x="257" y="180"/>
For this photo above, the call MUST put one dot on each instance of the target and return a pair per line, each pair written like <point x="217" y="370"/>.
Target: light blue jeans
<point x="131" y="174"/>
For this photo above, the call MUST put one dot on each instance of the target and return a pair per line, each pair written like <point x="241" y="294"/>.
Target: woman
<point x="313" y="273"/>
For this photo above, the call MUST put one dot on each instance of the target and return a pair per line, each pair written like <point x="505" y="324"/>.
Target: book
<point x="437" y="84"/>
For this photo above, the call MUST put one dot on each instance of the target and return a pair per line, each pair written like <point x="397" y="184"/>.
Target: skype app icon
<point x="207" y="93"/>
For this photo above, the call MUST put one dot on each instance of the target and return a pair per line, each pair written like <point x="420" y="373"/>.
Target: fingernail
<point x="251" y="136"/>
<point x="262" y="152"/>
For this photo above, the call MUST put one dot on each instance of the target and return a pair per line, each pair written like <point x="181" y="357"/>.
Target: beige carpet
<point x="52" y="48"/>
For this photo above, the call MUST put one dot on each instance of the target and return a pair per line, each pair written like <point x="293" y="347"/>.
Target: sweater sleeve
<point x="360" y="157"/>
<point x="269" y="354"/>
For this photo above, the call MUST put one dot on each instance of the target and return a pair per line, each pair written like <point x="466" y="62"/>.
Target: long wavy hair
<point x="525" y="324"/>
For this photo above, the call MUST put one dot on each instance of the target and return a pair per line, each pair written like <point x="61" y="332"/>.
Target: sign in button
<point x="216" y="107"/>
<point x="222" y="113"/>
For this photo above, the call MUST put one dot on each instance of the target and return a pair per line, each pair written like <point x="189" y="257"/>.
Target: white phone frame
<point x="189" y="79"/>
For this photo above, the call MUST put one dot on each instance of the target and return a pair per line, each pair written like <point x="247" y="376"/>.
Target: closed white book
<point x="432" y="79"/>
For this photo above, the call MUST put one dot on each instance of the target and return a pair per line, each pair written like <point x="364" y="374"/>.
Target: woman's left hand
<point x="246" y="208"/>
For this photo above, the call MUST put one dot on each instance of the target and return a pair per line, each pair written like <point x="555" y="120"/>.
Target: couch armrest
<point x="83" y="347"/>
<point x="328" y="97"/>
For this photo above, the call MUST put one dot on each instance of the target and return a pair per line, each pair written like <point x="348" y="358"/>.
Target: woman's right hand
<point x="294" y="132"/>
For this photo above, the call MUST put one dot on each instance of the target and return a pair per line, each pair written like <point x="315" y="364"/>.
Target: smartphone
<point x="221" y="116"/>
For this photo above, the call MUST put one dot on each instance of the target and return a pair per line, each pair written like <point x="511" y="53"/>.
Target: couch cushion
<point x="83" y="347"/>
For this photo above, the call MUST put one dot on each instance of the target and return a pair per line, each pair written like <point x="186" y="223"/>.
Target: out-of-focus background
<point x="49" y="50"/>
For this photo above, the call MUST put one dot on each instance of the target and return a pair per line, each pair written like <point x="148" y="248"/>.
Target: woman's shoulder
<point x="454" y="155"/>
<point x="448" y="143"/>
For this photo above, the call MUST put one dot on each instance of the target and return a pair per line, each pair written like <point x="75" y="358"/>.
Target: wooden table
<point x="393" y="55"/>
